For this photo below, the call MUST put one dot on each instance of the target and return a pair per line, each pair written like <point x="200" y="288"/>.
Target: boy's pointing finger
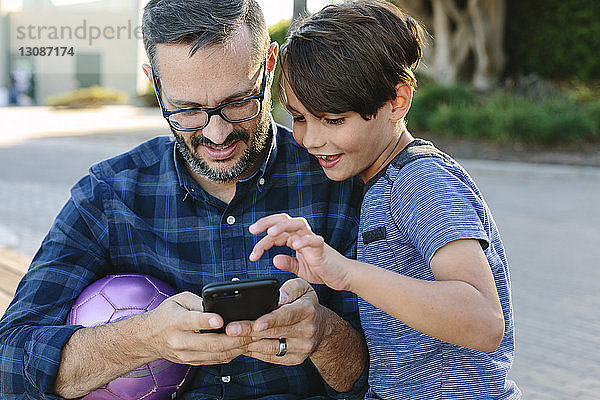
<point x="264" y="223"/>
<point x="265" y="244"/>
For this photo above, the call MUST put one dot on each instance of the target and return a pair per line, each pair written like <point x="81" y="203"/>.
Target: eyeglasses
<point x="196" y="118"/>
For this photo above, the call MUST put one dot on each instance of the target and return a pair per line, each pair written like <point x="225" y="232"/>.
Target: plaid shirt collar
<point x="189" y="185"/>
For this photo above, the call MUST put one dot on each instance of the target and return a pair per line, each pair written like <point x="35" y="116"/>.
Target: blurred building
<point x="49" y="47"/>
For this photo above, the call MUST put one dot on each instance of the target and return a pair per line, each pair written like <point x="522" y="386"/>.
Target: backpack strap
<point x="418" y="148"/>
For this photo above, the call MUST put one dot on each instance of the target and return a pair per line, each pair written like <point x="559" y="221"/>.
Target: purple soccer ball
<point x="120" y="296"/>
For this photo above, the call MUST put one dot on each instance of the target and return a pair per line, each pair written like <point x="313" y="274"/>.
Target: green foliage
<point x="584" y="92"/>
<point x="432" y="96"/>
<point x="278" y="33"/>
<point x="503" y="117"/>
<point x="555" y="38"/>
<point x="594" y="113"/>
<point x="148" y="98"/>
<point x="93" y="96"/>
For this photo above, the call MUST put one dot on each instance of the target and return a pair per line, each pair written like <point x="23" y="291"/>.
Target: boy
<point x="431" y="271"/>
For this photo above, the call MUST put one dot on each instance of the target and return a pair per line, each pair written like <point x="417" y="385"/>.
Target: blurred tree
<point x="554" y="39"/>
<point x="299" y="9"/>
<point x="468" y="39"/>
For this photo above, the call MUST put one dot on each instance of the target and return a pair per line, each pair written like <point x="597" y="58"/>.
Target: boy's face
<point x="345" y="144"/>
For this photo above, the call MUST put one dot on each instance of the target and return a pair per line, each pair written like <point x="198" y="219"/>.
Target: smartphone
<point x="240" y="300"/>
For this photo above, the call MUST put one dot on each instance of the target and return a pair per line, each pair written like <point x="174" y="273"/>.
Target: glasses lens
<point x="188" y="119"/>
<point x="241" y="110"/>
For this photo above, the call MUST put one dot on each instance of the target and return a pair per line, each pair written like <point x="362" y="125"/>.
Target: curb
<point x="12" y="261"/>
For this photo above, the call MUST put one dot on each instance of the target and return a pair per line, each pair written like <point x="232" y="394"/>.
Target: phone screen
<point x="241" y="300"/>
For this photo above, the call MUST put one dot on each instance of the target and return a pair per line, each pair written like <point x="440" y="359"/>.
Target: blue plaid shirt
<point x="142" y="212"/>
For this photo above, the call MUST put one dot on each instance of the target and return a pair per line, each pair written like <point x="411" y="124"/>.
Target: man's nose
<point x="217" y="129"/>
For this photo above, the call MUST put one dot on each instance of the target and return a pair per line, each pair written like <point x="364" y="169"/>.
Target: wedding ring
<point x="282" y="347"/>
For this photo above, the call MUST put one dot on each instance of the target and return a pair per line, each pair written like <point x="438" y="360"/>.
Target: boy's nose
<point x="312" y="138"/>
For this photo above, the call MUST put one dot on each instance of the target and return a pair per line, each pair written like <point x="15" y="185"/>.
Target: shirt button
<point x="231" y="220"/>
<point x="226" y="379"/>
<point x="261" y="181"/>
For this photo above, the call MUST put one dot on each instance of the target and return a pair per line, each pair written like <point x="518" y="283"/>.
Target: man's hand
<point x="97" y="355"/>
<point x="179" y="320"/>
<point x="310" y="330"/>
<point x="300" y="322"/>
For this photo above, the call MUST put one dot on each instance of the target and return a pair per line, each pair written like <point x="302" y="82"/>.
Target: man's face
<point x="221" y="151"/>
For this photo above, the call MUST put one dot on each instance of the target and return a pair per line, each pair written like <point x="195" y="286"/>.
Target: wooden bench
<point x="12" y="267"/>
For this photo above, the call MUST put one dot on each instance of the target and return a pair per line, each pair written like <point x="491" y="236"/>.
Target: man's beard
<point x="255" y="150"/>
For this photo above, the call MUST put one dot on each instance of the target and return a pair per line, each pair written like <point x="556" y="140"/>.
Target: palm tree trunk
<point x="299" y="9"/>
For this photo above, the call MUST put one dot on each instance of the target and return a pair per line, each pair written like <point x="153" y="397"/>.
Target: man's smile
<point x="221" y="152"/>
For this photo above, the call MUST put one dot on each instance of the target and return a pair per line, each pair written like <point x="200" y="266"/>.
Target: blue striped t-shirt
<point x="420" y="202"/>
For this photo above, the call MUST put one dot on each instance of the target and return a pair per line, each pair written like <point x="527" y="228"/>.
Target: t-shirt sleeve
<point x="432" y="202"/>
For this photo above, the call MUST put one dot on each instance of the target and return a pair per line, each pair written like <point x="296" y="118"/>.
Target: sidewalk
<point x="18" y="125"/>
<point x="35" y="122"/>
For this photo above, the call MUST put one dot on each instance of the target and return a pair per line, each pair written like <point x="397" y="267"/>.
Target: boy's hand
<point x="315" y="260"/>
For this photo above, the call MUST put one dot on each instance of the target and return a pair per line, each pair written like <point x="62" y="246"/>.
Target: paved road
<point x="550" y="223"/>
<point x="547" y="215"/>
<point x="36" y="176"/>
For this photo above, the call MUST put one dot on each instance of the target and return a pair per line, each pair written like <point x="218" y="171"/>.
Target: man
<point x="180" y="211"/>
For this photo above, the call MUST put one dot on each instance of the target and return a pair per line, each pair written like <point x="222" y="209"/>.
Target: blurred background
<point x="510" y="88"/>
<point x="535" y="60"/>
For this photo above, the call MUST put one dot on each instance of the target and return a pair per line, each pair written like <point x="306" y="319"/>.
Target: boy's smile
<point x="328" y="161"/>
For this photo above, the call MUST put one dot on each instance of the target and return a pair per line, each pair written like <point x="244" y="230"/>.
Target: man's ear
<point x="148" y="72"/>
<point x="401" y="104"/>
<point x="272" y="57"/>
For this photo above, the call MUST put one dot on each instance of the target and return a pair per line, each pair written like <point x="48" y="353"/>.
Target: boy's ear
<point x="401" y="104"/>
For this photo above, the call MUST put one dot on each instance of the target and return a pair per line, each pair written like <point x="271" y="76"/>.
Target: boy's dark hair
<point x="202" y="23"/>
<point x="351" y="56"/>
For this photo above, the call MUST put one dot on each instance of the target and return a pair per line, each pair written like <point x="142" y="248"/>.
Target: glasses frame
<point x="210" y="111"/>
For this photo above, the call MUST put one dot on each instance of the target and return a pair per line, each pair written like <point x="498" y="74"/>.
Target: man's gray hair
<point x="202" y="23"/>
